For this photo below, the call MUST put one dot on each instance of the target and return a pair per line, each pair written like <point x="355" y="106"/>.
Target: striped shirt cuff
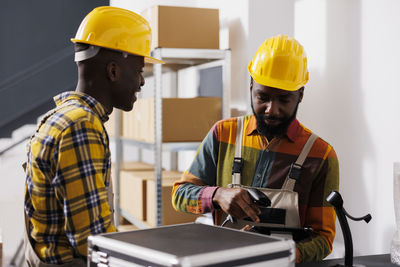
<point x="205" y="196"/>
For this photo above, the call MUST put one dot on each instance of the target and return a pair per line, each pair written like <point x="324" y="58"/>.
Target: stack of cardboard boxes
<point x="183" y="119"/>
<point x="111" y="123"/>
<point x="137" y="194"/>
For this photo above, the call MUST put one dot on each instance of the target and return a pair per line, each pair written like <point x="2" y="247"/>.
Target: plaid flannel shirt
<point x="67" y="178"/>
<point x="266" y="164"/>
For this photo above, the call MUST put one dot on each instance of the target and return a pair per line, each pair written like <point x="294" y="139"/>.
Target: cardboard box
<point x="111" y="123"/>
<point x="183" y="119"/>
<point x="133" y="194"/>
<point x="138" y="122"/>
<point x="131" y="166"/>
<point x="128" y="166"/>
<point x="183" y="27"/>
<point x="127" y="227"/>
<point x="136" y="166"/>
<point x="134" y="190"/>
<point x="169" y="214"/>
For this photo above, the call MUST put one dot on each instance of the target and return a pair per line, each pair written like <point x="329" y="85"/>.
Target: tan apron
<point x="32" y="259"/>
<point x="284" y="201"/>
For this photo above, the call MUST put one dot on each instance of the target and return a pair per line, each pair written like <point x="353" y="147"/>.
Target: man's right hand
<point x="236" y="202"/>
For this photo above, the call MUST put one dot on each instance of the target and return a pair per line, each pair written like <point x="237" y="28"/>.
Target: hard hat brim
<point x="147" y="59"/>
<point x="153" y="60"/>
<point x="276" y="83"/>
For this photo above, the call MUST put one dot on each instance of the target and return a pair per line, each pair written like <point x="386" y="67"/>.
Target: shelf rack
<point x="175" y="59"/>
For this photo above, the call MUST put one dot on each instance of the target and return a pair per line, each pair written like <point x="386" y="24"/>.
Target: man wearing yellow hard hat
<point x="269" y="150"/>
<point x="67" y="192"/>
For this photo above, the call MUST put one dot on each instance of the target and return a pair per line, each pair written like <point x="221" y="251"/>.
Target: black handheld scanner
<point x="259" y="197"/>
<point x="268" y="214"/>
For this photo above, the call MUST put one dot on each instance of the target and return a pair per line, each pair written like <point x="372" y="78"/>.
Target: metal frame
<point x="175" y="59"/>
<point x="169" y="147"/>
<point x="158" y="134"/>
<point x="118" y="161"/>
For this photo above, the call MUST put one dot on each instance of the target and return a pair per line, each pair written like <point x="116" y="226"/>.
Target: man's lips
<point x="135" y="92"/>
<point x="134" y="95"/>
<point x="272" y="121"/>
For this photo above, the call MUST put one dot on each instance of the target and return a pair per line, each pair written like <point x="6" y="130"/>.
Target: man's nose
<point x="142" y="82"/>
<point x="272" y="108"/>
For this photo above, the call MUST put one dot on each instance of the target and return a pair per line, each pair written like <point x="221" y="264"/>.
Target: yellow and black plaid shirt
<point x="67" y="178"/>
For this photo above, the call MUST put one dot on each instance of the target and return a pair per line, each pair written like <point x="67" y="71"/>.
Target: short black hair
<point x="80" y="47"/>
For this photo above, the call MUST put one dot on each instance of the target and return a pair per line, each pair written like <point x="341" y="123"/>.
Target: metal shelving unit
<point x="175" y="59"/>
<point x="170" y="146"/>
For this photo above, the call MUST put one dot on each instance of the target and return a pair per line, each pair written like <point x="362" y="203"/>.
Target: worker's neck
<point x="96" y="91"/>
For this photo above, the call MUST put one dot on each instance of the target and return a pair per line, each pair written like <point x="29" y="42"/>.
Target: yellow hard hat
<point x="280" y="62"/>
<point x="118" y="29"/>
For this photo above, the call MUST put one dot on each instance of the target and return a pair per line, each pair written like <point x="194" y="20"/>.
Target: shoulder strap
<point x="295" y="168"/>
<point x="238" y="160"/>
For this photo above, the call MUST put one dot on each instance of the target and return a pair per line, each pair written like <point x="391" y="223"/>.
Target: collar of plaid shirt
<point x="95" y="105"/>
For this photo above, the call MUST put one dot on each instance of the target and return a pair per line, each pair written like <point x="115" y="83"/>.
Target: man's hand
<point x="236" y="202"/>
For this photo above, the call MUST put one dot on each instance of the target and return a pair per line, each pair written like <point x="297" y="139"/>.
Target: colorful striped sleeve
<point x="320" y="214"/>
<point x="193" y="193"/>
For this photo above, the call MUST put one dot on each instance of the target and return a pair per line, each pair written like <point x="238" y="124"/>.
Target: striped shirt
<point x="67" y="178"/>
<point x="266" y="164"/>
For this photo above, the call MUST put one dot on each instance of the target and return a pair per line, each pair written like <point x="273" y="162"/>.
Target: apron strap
<point x="238" y="160"/>
<point x="295" y="168"/>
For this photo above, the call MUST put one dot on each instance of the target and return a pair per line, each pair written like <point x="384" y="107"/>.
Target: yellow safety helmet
<point x="280" y="62"/>
<point x="118" y="29"/>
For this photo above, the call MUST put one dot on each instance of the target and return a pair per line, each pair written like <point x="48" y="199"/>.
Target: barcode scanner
<point x="259" y="197"/>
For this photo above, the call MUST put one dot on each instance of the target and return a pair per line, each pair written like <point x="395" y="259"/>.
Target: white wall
<point x="12" y="179"/>
<point x="353" y="56"/>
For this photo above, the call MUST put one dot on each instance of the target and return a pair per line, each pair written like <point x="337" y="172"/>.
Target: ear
<point x="251" y="83"/>
<point x="113" y="71"/>
<point x="301" y="94"/>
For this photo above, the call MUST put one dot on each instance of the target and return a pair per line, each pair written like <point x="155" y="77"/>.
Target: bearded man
<point x="267" y="150"/>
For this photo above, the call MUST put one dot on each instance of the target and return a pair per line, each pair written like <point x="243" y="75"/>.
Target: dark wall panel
<point x="36" y="55"/>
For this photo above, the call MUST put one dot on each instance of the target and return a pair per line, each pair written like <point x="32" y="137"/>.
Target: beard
<point x="269" y="130"/>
